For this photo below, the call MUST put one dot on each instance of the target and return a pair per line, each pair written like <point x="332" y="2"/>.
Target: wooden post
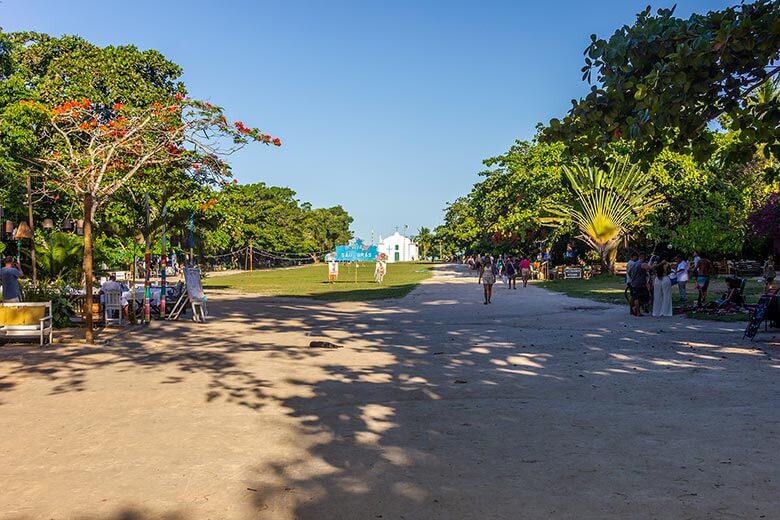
<point x="32" y="229"/>
<point x="131" y="303"/>
<point x="147" y="266"/>
<point x="89" y="334"/>
<point x="163" y="261"/>
<point x="192" y="239"/>
<point x="251" y="256"/>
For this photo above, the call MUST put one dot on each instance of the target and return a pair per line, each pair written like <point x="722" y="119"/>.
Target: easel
<point x="759" y="314"/>
<point x="192" y="295"/>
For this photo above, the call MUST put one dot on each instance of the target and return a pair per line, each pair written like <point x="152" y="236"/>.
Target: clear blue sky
<point x="385" y="107"/>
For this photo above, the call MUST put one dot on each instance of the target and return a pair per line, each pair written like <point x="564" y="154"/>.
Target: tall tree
<point x="660" y="82"/>
<point x="424" y="239"/>
<point x="606" y="205"/>
<point x="92" y="151"/>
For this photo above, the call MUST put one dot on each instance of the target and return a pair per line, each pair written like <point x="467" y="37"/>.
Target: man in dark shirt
<point x="9" y="277"/>
<point x="637" y="283"/>
<point x="703" y="278"/>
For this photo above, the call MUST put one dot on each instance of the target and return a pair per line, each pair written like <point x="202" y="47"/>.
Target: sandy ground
<point x="537" y="406"/>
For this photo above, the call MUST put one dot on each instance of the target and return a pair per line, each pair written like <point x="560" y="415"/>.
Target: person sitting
<point x="113" y="286"/>
<point x="732" y="297"/>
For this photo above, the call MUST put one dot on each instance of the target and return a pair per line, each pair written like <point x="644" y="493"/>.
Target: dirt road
<point x="434" y="407"/>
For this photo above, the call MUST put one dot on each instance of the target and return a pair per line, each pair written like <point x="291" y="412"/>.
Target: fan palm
<point x="606" y="204"/>
<point x="60" y="257"/>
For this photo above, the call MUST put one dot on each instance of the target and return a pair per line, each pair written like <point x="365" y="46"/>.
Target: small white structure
<point x="398" y="248"/>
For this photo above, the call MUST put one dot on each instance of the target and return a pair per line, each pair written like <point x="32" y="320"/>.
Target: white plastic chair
<point x="112" y="304"/>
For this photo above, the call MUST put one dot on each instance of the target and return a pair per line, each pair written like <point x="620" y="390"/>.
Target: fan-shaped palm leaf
<point x="60" y="257"/>
<point x="606" y="204"/>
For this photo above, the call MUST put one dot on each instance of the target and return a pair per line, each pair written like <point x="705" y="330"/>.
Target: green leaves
<point x="606" y="203"/>
<point x="59" y="256"/>
<point x="664" y="79"/>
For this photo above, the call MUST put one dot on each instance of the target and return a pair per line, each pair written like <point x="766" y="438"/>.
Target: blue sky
<point x="387" y="108"/>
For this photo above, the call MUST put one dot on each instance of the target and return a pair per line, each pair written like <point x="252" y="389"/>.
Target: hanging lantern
<point x="24" y="230"/>
<point x="67" y="224"/>
<point x="48" y="223"/>
<point x="9" y="227"/>
<point x="79" y="227"/>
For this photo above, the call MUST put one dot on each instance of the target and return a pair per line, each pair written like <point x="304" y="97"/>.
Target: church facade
<point x="398" y="248"/>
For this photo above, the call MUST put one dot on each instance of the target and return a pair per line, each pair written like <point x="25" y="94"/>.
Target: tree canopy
<point x="662" y="81"/>
<point x="99" y="130"/>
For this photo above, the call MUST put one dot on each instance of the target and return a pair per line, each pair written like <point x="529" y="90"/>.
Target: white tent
<point x="398" y="248"/>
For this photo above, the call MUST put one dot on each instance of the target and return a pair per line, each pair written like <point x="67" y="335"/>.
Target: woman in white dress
<point x="662" y="291"/>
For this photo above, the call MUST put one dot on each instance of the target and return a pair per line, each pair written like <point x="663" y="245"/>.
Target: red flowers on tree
<point x="93" y="154"/>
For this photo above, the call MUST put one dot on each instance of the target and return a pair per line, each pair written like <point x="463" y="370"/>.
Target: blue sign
<point x="356" y="252"/>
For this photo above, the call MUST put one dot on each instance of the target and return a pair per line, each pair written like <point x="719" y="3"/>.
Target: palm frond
<point x="605" y="205"/>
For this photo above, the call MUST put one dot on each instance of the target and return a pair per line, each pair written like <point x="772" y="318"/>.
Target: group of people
<point x="653" y="280"/>
<point x="504" y="266"/>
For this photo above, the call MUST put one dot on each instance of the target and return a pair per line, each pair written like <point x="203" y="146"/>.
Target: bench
<point x="619" y="268"/>
<point x="29" y="320"/>
<point x="748" y="268"/>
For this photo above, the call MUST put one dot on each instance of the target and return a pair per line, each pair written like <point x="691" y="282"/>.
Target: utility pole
<point x="32" y="229"/>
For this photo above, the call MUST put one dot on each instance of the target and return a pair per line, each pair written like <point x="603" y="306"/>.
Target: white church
<point x="398" y="248"/>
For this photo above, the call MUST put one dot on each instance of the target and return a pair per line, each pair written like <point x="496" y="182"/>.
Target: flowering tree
<point x="93" y="150"/>
<point x="766" y="221"/>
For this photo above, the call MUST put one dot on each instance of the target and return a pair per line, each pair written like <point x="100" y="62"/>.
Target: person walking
<point x="769" y="273"/>
<point x="9" y="277"/>
<point x="703" y="273"/>
<point x="662" y="290"/>
<point x="682" y="277"/>
<point x="511" y="272"/>
<point x="487" y="277"/>
<point x="525" y="270"/>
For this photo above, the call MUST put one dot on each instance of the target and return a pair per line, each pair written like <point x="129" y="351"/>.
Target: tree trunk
<point x="89" y="333"/>
<point x="605" y="267"/>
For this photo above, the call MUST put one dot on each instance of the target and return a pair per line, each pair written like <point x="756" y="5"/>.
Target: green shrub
<point x="58" y="294"/>
<point x="60" y="256"/>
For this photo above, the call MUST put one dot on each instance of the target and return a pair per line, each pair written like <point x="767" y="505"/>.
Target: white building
<point x="398" y="248"/>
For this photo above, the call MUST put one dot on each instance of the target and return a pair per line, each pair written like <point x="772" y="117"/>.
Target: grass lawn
<point x="610" y="289"/>
<point x="311" y="281"/>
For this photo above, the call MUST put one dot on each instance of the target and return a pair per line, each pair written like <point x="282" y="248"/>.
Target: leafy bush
<point x="59" y="256"/>
<point x="58" y="294"/>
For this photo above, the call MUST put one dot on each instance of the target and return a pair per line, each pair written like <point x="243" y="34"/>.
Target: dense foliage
<point x="694" y="102"/>
<point x="604" y="204"/>
<point x="65" y="102"/>
<point x="660" y="82"/>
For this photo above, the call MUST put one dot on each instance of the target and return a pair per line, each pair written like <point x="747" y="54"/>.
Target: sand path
<point x="436" y="407"/>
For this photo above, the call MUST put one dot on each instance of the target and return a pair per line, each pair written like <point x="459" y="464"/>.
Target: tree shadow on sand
<point x="472" y="413"/>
